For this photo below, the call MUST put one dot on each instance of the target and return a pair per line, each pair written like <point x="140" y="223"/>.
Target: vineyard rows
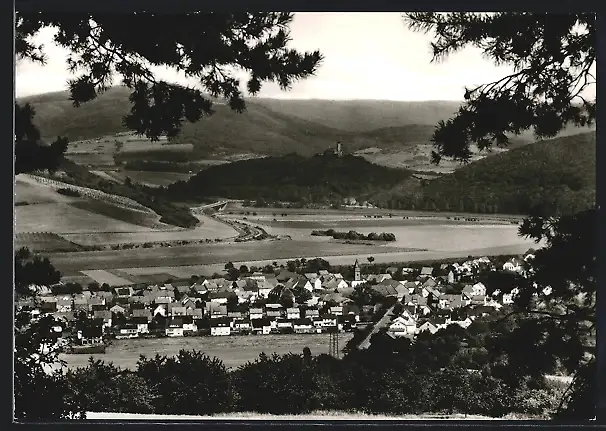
<point x="93" y="194"/>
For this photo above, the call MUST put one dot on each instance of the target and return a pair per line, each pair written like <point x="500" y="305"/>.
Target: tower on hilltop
<point x="357" y="276"/>
<point x="339" y="150"/>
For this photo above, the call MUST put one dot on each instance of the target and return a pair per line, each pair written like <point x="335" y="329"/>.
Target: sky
<point x="368" y="55"/>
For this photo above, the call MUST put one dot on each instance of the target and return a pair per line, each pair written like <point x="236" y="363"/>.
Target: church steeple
<point x="357" y="276"/>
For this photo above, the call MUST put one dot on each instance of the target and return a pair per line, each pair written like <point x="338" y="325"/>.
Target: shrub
<point x="190" y="383"/>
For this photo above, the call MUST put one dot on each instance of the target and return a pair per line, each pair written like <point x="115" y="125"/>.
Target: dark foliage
<point x="103" y="44"/>
<point x="554" y="56"/>
<point x="190" y="383"/>
<point x="32" y="269"/>
<point x="318" y="179"/>
<point x="352" y="235"/>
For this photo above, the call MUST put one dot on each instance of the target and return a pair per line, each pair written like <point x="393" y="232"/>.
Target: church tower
<point x="357" y="276"/>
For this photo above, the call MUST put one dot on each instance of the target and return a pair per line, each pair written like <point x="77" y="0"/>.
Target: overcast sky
<point x="367" y="56"/>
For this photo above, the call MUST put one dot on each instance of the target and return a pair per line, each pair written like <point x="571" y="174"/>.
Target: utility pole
<point x="333" y="341"/>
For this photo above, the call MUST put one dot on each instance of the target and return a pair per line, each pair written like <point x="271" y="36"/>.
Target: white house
<point x="189" y="325"/>
<point x="174" y="328"/>
<point x="220" y="327"/>
<point x="402" y="326"/>
<point x="329" y="320"/>
<point x="256" y="313"/>
<point x="428" y="326"/>
<point x="293" y="313"/>
<point x="478" y="289"/>
<point x="160" y="309"/>
<point x="512" y="265"/>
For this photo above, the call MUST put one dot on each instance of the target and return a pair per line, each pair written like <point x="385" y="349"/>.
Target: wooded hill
<point x="555" y="176"/>
<point x="292" y="178"/>
<point x="551" y="177"/>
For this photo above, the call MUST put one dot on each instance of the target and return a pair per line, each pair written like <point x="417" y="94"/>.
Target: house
<point x="507" y="298"/>
<point x="216" y="310"/>
<point x="478" y="289"/>
<point x="241" y="325"/>
<point x="265" y="287"/>
<point x="513" y="265"/>
<point x="261" y="326"/>
<point x="117" y="309"/>
<point x="128" y="330"/>
<point x="235" y="314"/>
<point x="220" y="326"/>
<point x="273" y="313"/>
<point x="174" y="327"/>
<point x="303" y="326"/>
<point x="426" y="271"/>
<point x="64" y="304"/>
<point x="196" y="313"/>
<point x="256" y="313"/>
<point x="312" y="313"/>
<point x="337" y="311"/>
<point x="334" y="284"/>
<point x="48" y="304"/>
<point x="293" y="313"/>
<point x="178" y="311"/>
<point x="143" y="312"/>
<point x="189" y="324"/>
<point x="428" y="326"/>
<point x="284" y="325"/>
<point x="479" y="300"/>
<point x="451" y="301"/>
<point x="402" y="325"/>
<point x="329" y="320"/>
<point x="378" y="278"/>
<point x="106" y="317"/>
<point x="161" y="309"/>
<point x="142" y="324"/>
<point x="462" y="323"/>
<point x="439" y="322"/>
<point x="123" y="292"/>
<point x="81" y="304"/>
<point x="385" y="290"/>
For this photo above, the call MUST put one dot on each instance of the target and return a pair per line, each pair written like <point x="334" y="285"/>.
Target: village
<point x="278" y="302"/>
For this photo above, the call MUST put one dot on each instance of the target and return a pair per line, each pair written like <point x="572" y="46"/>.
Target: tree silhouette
<point x="208" y="47"/>
<point x="553" y="56"/>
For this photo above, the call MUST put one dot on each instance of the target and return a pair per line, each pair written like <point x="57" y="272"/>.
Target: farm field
<point x="358" y="212"/>
<point x="44" y="242"/>
<point x="65" y="219"/>
<point x="101" y="276"/>
<point x="186" y="271"/>
<point x="208" y="229"/>
<point x="206" y="254"/>
<point x="232" y="350"/>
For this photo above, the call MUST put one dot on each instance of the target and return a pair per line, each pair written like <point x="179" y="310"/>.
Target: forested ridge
<point x="549" y="177"/>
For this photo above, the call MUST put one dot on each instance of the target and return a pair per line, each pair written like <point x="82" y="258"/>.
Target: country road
<point x="383" y="321"/>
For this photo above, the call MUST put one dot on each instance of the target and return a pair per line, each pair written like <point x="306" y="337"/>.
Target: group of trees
<point x="317" y="179"/>
<point x="433" y="375"/>
<point x="353" y="235"/>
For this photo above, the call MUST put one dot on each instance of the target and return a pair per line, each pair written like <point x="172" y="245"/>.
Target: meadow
<point x="232" y="350"/>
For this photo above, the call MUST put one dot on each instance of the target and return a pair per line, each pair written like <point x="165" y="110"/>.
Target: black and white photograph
<point x="315" y="216"/>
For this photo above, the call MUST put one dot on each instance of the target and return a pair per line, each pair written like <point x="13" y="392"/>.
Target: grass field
<point x="233" y="351"/>
<point x="95" y="222"/>
<point x="101" y="276"/>
<point x="44" y="242"/>
<point x="209" y="229"/>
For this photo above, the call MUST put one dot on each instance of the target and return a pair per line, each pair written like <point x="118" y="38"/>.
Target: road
<point x="383" y="321"/>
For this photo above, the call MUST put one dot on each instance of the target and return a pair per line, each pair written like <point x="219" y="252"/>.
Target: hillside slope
<point x="293" y="178"/>
<point x="397" y="133"/>
<point x="555" y="176"/>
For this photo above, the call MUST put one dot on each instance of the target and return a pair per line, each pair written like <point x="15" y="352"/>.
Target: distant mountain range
<point x="395" y="134"/>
